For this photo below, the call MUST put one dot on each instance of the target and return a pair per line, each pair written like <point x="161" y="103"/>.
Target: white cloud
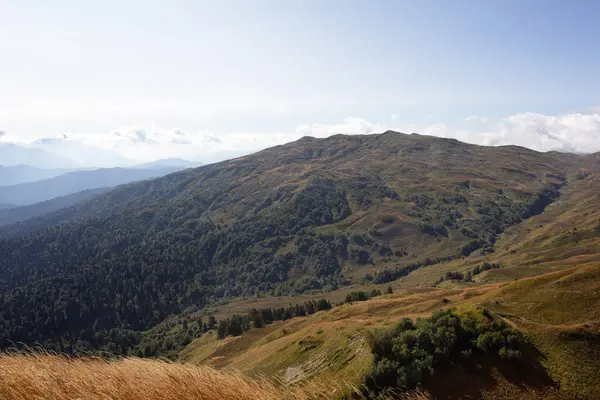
<point x="147" y="143"/>
<point x="439" y="130"/>
<point x="350" y="126"/>
<point x="138" y="143"/>
<point x="571" y="132"/>
<point x="82" y="152"/>
<point x="575" y="132"/>
<point x="475" y="118"/>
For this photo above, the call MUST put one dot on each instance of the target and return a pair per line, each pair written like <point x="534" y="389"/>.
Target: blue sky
<point x="152" y="79"/>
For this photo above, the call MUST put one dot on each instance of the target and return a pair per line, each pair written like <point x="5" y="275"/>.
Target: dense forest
<point x="96" y="274"/>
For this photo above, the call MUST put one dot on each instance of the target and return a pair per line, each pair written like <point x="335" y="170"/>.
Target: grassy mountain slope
<point x="310" y="215"/>
<point x="303" y="355"/>
<point x="561" y="313"/>
<point x="557" y="311"/>
<point x="567" y="233"/>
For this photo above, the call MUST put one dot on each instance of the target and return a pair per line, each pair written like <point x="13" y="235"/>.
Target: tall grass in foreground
<point x="41" y="376"/>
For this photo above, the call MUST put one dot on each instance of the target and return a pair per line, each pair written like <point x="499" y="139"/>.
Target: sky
<point x="109" y="81"/>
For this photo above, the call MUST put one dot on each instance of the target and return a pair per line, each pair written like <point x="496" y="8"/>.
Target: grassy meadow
<point x="556" y="311"/>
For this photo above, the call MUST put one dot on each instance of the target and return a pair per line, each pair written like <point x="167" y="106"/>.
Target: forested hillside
<point x="285" y="220"/>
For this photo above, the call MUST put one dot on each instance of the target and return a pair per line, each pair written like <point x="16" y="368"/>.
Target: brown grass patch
<point x="49" y="376"/>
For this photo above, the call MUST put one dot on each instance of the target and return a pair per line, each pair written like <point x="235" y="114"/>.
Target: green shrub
<point x="407" y="354"/>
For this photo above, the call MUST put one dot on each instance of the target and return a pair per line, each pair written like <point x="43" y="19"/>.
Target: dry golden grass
<point x="41" y="376"/>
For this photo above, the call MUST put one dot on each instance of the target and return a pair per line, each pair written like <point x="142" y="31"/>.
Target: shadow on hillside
<point x="526" y="378"/>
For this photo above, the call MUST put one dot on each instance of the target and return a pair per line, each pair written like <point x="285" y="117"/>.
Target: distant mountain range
<point x="76" y="181"/>
<point x="12" y="214"/>
<point x="13" y="175"/>
<point x="13" y="155"/>
<point x="58" y="154"/>
<point x="6" y="206"/>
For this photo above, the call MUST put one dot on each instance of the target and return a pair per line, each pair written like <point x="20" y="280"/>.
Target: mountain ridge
<point x="309" y="215"/>
<point x="22" y="173"/>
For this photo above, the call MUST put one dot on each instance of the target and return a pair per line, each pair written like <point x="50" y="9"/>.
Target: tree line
<point x="257" y="318"/>
<point x="388" y="275"/>
<point x="468" y="276"/>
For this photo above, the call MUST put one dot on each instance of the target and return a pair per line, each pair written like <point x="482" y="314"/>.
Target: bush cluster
<point x="410" y="352"/>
